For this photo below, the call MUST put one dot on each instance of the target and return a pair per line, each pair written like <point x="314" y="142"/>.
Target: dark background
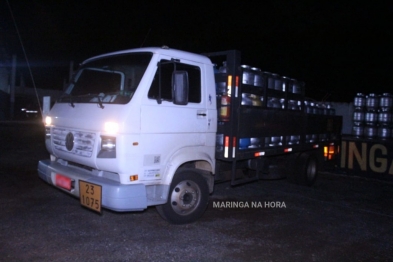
<point x="338" y="48"/>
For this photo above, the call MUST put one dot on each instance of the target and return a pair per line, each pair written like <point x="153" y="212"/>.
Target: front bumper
<point x="115" y="196"/>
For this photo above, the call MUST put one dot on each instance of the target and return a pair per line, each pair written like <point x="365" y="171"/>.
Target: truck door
<point x="169" y="129"/>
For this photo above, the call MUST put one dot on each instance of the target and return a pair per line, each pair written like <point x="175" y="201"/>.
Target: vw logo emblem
<point x="69" y="141"/>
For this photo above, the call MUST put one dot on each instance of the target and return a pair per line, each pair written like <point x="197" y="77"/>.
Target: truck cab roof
<point x="177" y="54"/>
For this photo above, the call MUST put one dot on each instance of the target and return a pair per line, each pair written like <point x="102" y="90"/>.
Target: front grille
<point x="74" y="142"/>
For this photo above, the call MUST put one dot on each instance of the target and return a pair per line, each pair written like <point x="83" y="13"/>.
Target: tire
<point x="306" y="169"/>
<point x="187" y="199"/>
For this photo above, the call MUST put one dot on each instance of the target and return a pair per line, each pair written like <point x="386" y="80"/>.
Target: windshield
<point x="112" y="79"/>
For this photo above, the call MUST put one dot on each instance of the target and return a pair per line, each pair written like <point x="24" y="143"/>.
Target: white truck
<point x="158" y="127"/>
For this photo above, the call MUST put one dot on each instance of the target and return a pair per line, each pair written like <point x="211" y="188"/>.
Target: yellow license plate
<point x="90" y="195"/>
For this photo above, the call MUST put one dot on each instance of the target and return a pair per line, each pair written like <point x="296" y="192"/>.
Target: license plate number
<point x="90" y="195"/>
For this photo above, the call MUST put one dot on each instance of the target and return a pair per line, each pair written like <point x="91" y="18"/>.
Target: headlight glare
<point x="48" y="121"/>
<point x="111" y="127"/>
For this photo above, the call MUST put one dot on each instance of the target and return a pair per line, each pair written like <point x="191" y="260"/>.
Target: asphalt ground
<point x="340" y="218"/>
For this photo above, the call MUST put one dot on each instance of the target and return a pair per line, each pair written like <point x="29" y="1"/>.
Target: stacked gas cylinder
<point x="276" y="99"/>
<point x="255" y="77"/>
<point x="281" y="93"/>
<point x="372" y="116"/>
<point x="319" y="108"/>
<point x="281" y="84"/>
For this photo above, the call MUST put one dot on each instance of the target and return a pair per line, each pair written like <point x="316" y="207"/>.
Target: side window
<point x="167" y="68"/>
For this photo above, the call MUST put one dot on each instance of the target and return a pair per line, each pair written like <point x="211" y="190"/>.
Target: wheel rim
<point x="185" y="197"/>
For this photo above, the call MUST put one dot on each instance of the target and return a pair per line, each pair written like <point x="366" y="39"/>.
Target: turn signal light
<point x="133" y="177"/>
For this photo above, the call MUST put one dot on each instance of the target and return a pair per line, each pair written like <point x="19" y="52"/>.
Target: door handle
<point x="201" y="113"/>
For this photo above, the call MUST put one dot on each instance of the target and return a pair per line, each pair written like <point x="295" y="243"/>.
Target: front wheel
<point x="187" y="199"/>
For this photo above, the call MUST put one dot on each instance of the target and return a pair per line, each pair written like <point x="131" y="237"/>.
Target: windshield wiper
<point x="99" y="101"/>
<point x="70" y="98"/>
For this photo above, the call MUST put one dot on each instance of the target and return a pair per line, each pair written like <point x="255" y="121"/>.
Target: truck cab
<point x="127" y="123"/>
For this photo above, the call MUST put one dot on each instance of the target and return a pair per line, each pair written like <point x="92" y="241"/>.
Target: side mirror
<point x="180" y="87"/>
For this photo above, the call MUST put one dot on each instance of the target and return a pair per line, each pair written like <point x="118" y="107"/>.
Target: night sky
<point x="338" y="48"/>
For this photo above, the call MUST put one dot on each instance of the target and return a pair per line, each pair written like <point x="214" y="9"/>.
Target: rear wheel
<point x="306" y="169"/>
<point x="187" y="199"/>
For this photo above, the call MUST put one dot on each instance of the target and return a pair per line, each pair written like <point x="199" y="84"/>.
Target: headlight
<point x="108" y="143"/>
<point x="108" y="147"/>
<point x="111" y="128"/>
<point x="48" y="121"/>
